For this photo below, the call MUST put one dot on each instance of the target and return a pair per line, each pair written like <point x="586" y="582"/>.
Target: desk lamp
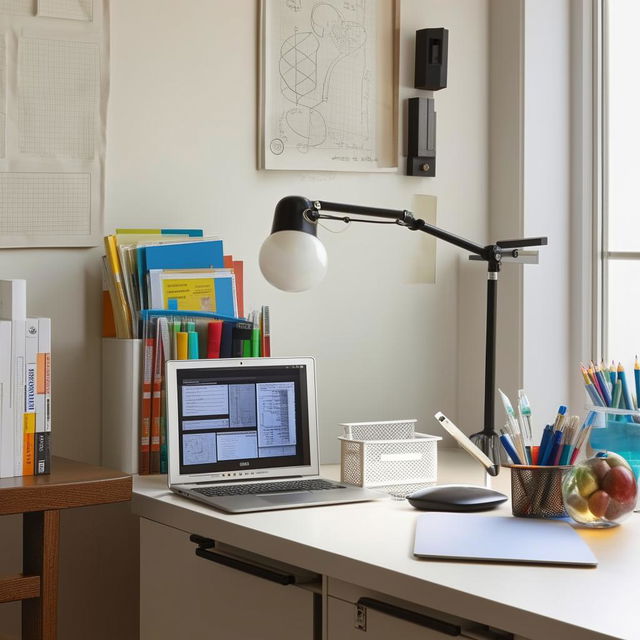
<point x="292" y="258"/>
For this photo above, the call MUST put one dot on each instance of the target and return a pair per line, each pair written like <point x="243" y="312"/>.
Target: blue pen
<point x="509" y="448"/>
<point x="554" y="450"/>
<point x="547" y="440"/>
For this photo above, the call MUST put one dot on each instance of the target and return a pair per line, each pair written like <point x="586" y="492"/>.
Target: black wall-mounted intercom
<point x="421" y="156"/>
<point x="431" y="59"/>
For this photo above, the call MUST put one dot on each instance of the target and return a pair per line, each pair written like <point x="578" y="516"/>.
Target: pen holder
<point x="536" y="492"/>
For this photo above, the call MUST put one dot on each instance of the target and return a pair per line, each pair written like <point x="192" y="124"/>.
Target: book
<point x="208" y="290"/>
<point x="43" y="453"/>
<point x="204" y="254"/>
<point x="193" y="233"/>
<point x="238" y="271"/>
<point x="43" y="376"/>
<point x="108" y="322"/>
<point x="13" y="307"/>
<point x="121" y="308"/>
<point x="29" y="416"/>
<point x="6" y="406"/>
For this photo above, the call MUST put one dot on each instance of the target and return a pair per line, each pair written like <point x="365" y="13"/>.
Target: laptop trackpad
<point x="298" y="497"/>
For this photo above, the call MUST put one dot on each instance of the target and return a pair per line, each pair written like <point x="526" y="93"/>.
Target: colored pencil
<point x="625" y="389"/>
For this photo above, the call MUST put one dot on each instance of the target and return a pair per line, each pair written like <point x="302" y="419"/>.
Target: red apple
<point x="620" y="484"/>
<point x="598" y="503"/>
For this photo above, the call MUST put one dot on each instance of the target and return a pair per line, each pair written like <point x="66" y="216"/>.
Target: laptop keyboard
<point x="269" y="487"/>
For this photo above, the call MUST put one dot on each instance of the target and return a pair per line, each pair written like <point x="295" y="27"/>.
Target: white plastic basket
<point x="388" y="455"/>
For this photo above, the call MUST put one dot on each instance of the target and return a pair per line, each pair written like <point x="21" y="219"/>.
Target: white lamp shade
<point x="293" y="260"/>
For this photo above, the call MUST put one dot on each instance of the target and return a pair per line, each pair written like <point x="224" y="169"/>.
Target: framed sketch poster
<point x="328" y="85"/>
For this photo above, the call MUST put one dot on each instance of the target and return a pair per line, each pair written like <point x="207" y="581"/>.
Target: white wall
<point x="181" y="147"/>
<point x="181" y="150"/>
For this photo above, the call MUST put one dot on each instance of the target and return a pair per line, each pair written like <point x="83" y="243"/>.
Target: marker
<point x="467" y="445"/>
<point x="192" y="343"/>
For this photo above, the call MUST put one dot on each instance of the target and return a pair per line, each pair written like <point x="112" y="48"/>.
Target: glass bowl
<point x="601" y="491"/>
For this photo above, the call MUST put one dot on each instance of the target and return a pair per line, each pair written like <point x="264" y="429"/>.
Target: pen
<point x="556" y="452"/>
<point x="513" y="427"/>
<point x="545" y="443"/>
<point x="524" y="409"/>
<point x="509" y="448"/>
<point x="466" y="444"/>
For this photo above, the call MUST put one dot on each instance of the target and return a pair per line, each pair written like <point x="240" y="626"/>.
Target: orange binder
<point x="145" y="406"/>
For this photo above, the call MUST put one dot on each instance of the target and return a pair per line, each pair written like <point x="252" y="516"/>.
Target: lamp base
<point x="489" y="444"/>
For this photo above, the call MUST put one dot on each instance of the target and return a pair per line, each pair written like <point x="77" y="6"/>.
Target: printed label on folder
<point x="194" y="294"/>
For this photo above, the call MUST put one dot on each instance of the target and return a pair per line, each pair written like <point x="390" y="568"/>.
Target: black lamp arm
<point x="402" y="217"/>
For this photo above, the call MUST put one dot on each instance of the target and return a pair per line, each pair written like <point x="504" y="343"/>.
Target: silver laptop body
<point x="236" y="423"/>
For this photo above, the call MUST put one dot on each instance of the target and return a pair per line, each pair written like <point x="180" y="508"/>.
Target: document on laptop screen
<point x="242" y="418"/>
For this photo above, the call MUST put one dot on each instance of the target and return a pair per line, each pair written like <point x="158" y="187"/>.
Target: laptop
<point x="242" y="435"/>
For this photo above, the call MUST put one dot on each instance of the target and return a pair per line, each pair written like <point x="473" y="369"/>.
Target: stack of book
<point x="25" y="385"/>
<point x="182" y="296"/>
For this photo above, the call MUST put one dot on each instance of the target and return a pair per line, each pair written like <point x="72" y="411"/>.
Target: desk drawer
<point x="186" y="596"/>
<point x="357" y="613"/>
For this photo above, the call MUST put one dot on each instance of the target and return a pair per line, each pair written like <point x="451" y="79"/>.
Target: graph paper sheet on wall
<point x="66" y="9"/>
<point x="53" y="108"/>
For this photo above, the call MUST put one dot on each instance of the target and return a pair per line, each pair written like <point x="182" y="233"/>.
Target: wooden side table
<point x="39" y="499"/>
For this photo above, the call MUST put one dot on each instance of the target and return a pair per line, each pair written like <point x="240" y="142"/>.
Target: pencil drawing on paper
<point x="321" y="92"/>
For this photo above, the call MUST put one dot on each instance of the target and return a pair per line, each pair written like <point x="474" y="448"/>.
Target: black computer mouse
<point x="456" y="497"/>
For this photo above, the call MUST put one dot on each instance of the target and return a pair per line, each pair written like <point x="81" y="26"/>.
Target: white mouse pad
<point x="465" y="536"/>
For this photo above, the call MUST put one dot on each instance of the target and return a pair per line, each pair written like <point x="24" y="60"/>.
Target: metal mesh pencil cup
<point x="536" y="492"/>
<point x="389" y="456"/>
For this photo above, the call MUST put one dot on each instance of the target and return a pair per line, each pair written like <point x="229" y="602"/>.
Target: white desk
<point x="370" y="545"/>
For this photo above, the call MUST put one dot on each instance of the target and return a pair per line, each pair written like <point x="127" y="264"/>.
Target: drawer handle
<point x="411" y="616"/>
<point x="203" y="550"/>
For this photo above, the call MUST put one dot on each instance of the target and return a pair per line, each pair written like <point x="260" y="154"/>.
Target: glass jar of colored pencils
<point x="536" y="491"/>
<point x="601" y="491"/>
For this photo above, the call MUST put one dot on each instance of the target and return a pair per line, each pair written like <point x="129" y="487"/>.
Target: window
<point x="620" y="230"/>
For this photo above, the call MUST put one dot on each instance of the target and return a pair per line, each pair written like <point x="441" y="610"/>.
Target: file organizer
<point x="121" y="379"/>
<point x="389" y="456"/>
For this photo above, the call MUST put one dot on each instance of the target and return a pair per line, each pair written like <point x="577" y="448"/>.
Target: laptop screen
<point x="242" y="415"/>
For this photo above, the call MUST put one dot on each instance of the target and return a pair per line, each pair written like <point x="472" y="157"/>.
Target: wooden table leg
<point x="40" y="536"/>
